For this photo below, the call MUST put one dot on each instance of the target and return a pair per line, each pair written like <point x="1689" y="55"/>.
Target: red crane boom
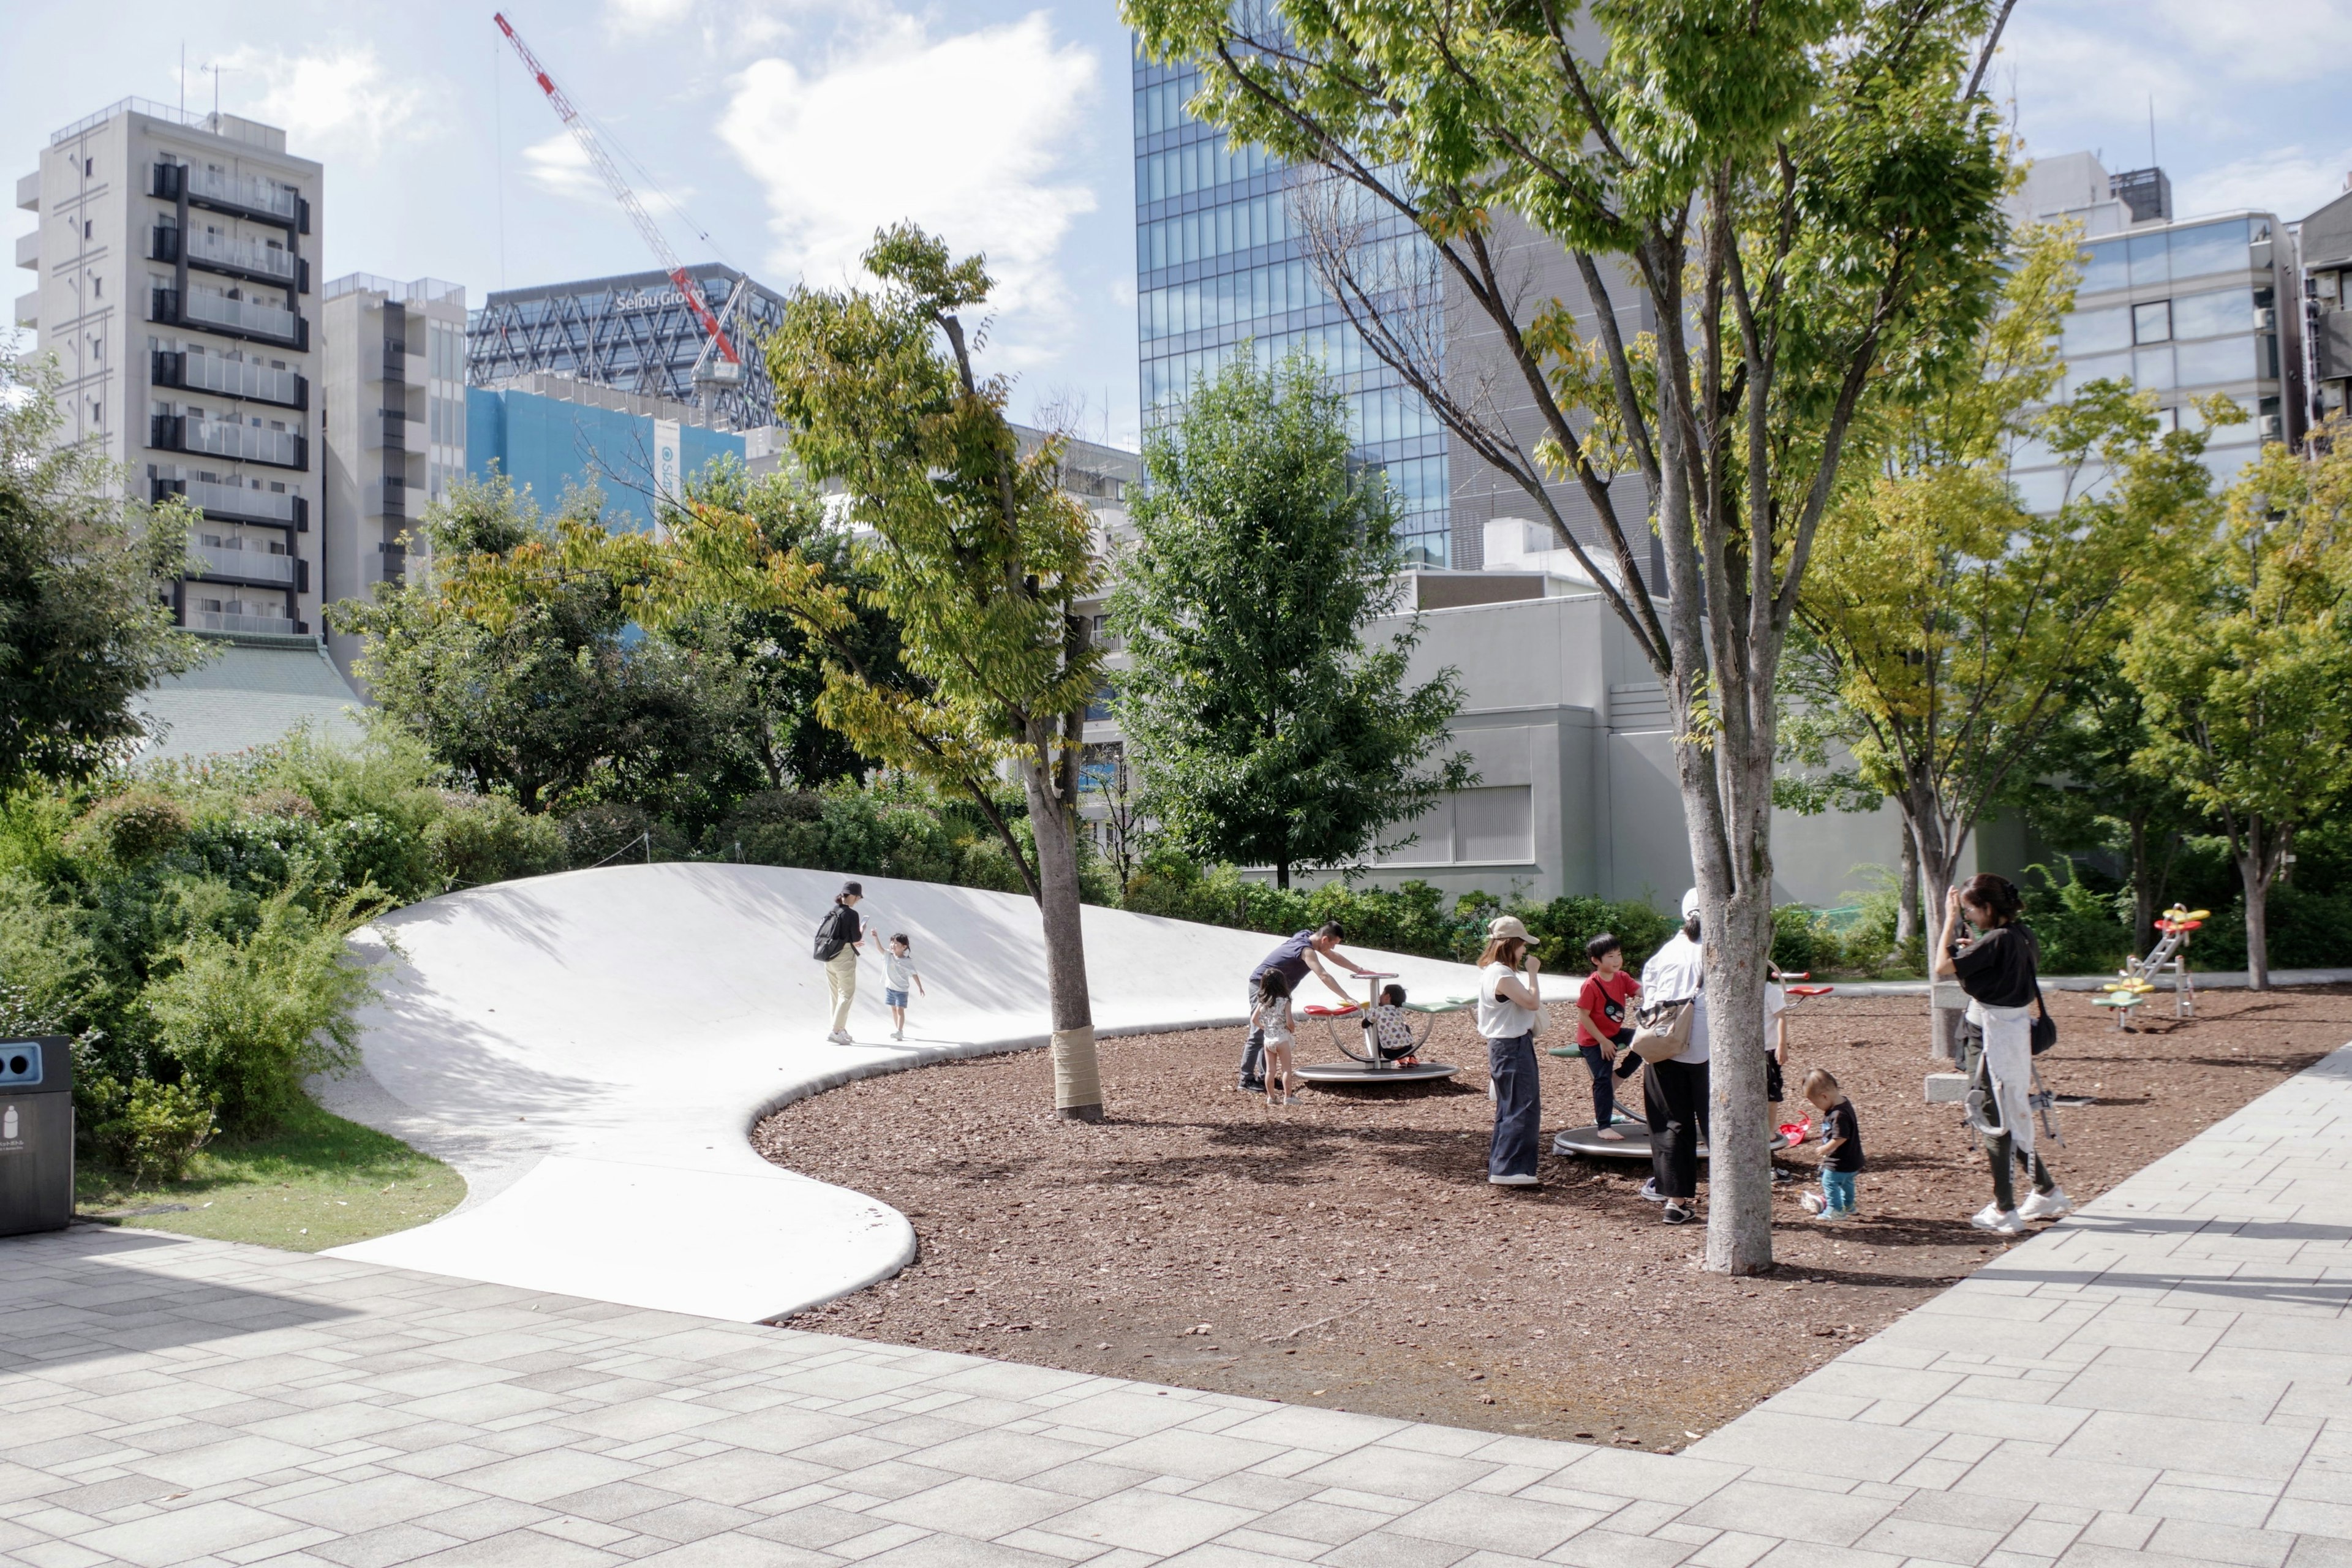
<point x="647" y="227"/>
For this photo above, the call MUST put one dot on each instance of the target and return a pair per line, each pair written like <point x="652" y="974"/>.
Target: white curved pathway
<point x="591" y="1049"/>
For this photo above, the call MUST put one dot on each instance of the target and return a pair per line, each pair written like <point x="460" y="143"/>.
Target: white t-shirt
<point x="1775" y="1002"/>
<point x="899" y="971"/>
<point x="1676" y="973"/>
<point x="1503" y="1019"/>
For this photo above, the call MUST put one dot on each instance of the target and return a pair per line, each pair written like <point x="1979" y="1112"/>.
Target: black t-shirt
<point x="1840" y="1122"/>
<point x="1997" y="968"/>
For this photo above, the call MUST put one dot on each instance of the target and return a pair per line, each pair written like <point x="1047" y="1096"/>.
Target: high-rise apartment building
<point x="393" y="413"/>
<point x="633" y="333"/>
<point x="1218" y="265"/>
<point x="2183" y="308"/>
<point x="175" y="289"/>
<point x="2324" y="250"/>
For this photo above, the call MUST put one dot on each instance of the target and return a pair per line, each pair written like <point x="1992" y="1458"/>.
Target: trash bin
<point x="37" y="1134"/>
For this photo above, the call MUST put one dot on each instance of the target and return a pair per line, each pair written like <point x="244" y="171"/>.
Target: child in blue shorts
<point x="897" y="974"/>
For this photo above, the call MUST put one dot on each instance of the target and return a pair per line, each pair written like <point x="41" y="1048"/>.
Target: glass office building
<point x="1217" y="265"/>
<point x="2186" y="311"/>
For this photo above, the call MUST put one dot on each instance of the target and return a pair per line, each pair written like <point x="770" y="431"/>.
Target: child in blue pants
<point x="1841" y="1147"/>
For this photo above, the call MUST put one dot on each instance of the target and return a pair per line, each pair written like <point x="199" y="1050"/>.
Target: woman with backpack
<point x="2000" y="971"/>
<point x="838" y="937"/>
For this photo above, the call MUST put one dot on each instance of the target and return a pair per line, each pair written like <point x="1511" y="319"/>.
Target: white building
<point x="175" y="289"/>
<point x="392" y="410"/>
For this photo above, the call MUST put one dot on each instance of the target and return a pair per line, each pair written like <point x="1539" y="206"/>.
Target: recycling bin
<point x="37" y="1134"/>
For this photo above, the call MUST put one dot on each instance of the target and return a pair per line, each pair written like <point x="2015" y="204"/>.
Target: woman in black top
<point x="1999" y="970"/>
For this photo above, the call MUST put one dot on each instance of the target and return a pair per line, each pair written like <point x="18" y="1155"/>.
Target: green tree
<point x="2249" y="683"/>
<point x="2101" y="799"/>
<point x="550" y="696"/>
<point x="84" y="579"/>
<point x="1266" y="732"/>
<point x="777" y="664"/>
<point x="978" y="557"/>
<point x="1947" y="624"/>
<point x="1801" y="199"/>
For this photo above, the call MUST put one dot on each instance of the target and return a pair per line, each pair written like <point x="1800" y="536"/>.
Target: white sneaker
<point x="1813" y="1203"/>
<point x="1998" y="1220"/>
<point x="1516" y="1181"/>
<point x="1650" y="1192"/>
<point x="898" y="1034"/>
<point x="840" y="1038"/>
<point x="2046" y="1206"/>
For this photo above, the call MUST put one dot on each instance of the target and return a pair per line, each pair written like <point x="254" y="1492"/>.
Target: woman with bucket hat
<point x="1510" y="1011"/>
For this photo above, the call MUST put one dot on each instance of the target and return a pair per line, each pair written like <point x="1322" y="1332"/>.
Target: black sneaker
<point x="1252" y="1086"/>
<point x="1675" y="1214"/>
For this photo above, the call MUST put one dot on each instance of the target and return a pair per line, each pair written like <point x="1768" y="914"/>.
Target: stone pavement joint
<point x="2165" y="1379"/>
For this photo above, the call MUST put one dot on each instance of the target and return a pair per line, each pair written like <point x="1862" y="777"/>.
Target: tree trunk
<point x="1739" y="1169"/>
<point x="1906" y="894"/>
<point x="1939" y="864"/>
<point x="2255" y="872"/>
<point x="1077" y="1081"/>
<point x="2142" y="890"/>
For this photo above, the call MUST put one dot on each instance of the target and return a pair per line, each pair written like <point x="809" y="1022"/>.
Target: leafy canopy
<point x="1267" y="729"/>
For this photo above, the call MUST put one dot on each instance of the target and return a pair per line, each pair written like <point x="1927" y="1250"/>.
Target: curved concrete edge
<point x="591" y="1050"/>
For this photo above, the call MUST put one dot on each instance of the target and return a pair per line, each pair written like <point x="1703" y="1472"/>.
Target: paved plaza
<point x="2165" y="1380"/>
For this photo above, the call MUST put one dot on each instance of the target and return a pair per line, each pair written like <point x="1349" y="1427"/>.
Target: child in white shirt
<point x="1272" y="1015"/>
<point x="897" y="970"/>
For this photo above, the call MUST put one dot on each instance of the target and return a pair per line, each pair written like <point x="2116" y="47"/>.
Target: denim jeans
<point x="1605" y="1085"/>
<point x="1837" y="1191"/>
<point x="1518" y="1109"/>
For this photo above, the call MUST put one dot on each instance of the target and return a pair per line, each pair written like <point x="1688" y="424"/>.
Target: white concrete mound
<point x="590" y="1050"/>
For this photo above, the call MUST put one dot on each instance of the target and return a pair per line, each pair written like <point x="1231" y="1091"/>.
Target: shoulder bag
<point x="2043" y="1033"/>
<point x="1662" y="1030"/>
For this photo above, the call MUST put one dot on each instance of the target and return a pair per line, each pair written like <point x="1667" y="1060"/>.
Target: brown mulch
<point x="1348" y="1251"/>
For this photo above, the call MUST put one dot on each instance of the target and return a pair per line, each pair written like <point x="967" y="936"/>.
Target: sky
<point x="785" y="132"/>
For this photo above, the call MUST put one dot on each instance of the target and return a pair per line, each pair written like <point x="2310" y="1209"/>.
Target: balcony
<point x="2331" y="344"/>
<point x="387" y="429"/>
<point x="231" y="317"/>
<point x="237" y="259"/>
<point x="230" y="621"/>
<point x="245" y="195"/>
<point x="229" y="377"/>
<point x="237" y="503"/>
<point x="28" y="250"/>
<point x="219" y="439"/>
<point x="245" y="565"/>
<point x="28" y="191"/>
<point x="392" y="366"/>
<point x="395" y="497"/>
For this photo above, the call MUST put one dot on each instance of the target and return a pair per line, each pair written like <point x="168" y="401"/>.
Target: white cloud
<point x="965" y="135"/>
<point x="561" y="165"/>
<point x="2292" y="182"/>
<point x="337" y="102"/>
<point x="629" y="16"/>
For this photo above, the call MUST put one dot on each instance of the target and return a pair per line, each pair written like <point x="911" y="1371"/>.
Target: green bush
<point x="2078" y="926"/>
<point x="1564" y="925"/>
<point x="133" y="827"/>
<point x="146" y="1130"/>
<point x="250" y="1019"/>
<point x="481" y="840"/>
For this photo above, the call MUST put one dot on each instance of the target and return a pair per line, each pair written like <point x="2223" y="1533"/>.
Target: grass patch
<point x="317" y="1182"/>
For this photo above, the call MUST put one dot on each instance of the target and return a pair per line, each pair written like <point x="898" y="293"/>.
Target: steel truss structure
<point x="633" y="333"/>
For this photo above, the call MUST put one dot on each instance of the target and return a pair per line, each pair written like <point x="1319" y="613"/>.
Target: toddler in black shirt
<point x="1841" y="1147"/>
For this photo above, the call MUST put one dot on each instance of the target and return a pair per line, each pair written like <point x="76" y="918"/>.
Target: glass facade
<point x="2184" y="310"/>
<point x="1218" y="265"/>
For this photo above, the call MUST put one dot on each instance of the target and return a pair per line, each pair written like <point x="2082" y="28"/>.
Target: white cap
<point x="1690" y="903"/>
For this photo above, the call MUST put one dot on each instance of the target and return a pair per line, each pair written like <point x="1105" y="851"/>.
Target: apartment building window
<point x="2152" y="322"/>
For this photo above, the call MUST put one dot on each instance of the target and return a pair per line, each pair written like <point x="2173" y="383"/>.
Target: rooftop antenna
<point x="218" y="72"/>
<point x="184" y="79"/>
<point x="2151" y="131"/>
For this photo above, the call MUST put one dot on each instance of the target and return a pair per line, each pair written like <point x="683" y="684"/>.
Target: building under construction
<point x="633" y="334"/>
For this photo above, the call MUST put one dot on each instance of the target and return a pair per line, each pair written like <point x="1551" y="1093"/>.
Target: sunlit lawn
<point x="317" y="1182"/>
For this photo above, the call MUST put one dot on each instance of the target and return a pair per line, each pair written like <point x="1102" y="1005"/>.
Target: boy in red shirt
<point x="1601" y="1028"/>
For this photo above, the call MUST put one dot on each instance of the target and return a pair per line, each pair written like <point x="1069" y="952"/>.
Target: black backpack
<point x="836" y="932"/>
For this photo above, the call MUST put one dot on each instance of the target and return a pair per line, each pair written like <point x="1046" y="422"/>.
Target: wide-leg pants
<point x="1673" y="1094"/>
<point x="1518" y="1106"/>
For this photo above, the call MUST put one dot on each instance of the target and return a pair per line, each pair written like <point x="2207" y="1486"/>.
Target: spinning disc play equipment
<point x="1352" y="1030"/>
<point x="1634" y="1145"/>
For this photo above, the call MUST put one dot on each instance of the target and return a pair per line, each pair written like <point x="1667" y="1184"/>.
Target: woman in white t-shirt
<point x="1508" y="1008"/>
<point x="1674" y="1093"/>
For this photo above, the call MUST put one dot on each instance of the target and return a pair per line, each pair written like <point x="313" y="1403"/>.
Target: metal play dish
<point x="1351" y="1030"/>
<point x="1635" y="1145"/>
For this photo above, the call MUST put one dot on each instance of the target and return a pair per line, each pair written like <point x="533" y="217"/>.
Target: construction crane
<point x="731" y="369"/>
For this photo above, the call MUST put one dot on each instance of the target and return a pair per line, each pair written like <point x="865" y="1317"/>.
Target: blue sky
<point x="788" y="129"/>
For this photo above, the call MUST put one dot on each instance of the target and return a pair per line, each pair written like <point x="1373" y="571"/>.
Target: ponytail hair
<point x="1998" y="896"/>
